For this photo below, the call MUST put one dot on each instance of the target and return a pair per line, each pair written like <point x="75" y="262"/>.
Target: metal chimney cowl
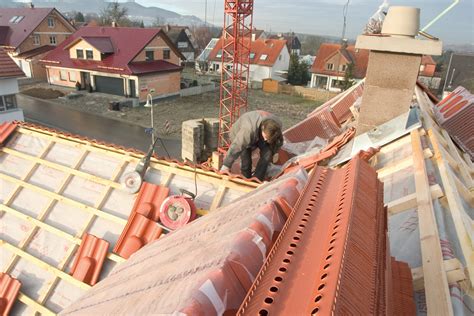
<point x="394" y="63"/>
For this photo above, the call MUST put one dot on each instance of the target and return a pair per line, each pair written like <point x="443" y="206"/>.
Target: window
<point x="263" y="57"/>
<point x="252" y="55"/>
<point x="89" y="54"/>
<point x="166" y="54"/>
<point x="149" y="55"/>
<point x="52" y="40"/>
<point x="279" y="57"/>
<point x="182" y="44"/>
<point x="219" y="54"/>
<point x="343" y="68"/>
<point x="63" y="75"/>
<point x="72" y="76"/>
<point x="7" y="102"/>
<point x="16" y="19"/>
<point x="80" y="53"/>
<point x="329" y="66"/>
<point x="50" y="22"/>
<point x="36" y="40"/>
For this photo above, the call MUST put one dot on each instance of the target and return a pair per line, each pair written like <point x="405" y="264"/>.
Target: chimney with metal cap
<point x="394" y="63"/>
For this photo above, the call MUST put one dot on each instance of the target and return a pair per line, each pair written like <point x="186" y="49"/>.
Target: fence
<point x="197" y="90"/>
<point x="274" y="86"/>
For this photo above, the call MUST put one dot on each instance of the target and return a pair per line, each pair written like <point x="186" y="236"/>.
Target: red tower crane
<point x="236" y="41"/>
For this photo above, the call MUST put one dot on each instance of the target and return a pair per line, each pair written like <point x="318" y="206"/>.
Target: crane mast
<point x="236" y="41"/>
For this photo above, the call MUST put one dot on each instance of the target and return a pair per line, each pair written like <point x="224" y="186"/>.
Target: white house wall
<point x="8" y="86"/>
<point x="281" y="64"/>
<point x="24" y="65"/>
<point x="11" y="115"/>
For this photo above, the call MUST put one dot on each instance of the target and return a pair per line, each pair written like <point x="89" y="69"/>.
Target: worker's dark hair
<point x="273" y="132"/>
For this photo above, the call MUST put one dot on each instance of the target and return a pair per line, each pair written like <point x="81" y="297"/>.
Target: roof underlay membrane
<point x="56" y="187"/>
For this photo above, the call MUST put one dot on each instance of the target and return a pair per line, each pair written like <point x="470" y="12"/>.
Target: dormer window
<point x="51" y="22"/>
<point x="89" y="54"/>
<point x="149" y="55"/>
<point x="79" y="54"/>
<point x="16" y="19"/>
<point x="166" y="54"/>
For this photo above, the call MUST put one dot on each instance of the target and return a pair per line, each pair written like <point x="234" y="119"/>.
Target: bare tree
<point x="114" y="13"/>
<point x="159" y="21"/>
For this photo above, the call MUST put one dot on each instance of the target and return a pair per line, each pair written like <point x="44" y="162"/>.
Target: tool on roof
<point x="178" y="210"/>
<point x="132" y="181"/>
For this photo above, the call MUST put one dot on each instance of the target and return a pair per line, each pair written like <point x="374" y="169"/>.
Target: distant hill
<point x="136" y="11"/>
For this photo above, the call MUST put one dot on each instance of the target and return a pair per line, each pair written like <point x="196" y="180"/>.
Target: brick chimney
<point x="394" y="63"/>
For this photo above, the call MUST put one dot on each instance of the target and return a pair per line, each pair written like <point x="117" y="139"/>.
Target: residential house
<point x="292" y="42"/>
<point x="117" y="60"/>
<point x="332" y="60"/>
<point x="258" y="34"/>
<point x="202" y="61"/>
<point x="428" y="75"/>
<point x="460" y="72"/>
<point x="269" y="58"/>
<point x="182" y="38"/>
<point x="9" y="74"/>
<point x="27" y="34"/>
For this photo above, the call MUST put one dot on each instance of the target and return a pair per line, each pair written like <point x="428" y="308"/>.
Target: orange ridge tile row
<point x="332" y="254"/>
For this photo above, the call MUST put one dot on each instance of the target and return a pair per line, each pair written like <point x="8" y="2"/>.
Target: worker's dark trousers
<point x="262" y="164"/>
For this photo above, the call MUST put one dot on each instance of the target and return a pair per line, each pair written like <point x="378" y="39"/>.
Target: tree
<point x="159" y="21"/>
<point x="348" y="77"/>
<point x="298" y="73"/>
<point x="114" y="13"/>
<point x="202" y="35"/>
<point x="79" y="17"/>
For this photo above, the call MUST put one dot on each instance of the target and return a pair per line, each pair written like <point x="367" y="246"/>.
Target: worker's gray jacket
<point x="245" y="133"/>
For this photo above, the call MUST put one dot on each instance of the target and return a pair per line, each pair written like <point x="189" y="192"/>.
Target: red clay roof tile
<point x="89" y="259"/>
<point x="330" y="255"/>
<point x="9" y="288"/>
<point x="455" y="113"/>
<point x="149" y="200"/>
<point x="205" y="268"/>
<point x="138" y="232"/>
<point x="6" y="129"/>
<point x="8" y="68"/>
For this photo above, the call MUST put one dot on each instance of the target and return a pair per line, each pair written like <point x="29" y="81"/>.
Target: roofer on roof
<point x="254" y="129"/>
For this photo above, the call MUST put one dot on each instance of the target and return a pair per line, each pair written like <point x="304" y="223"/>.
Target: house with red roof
<point x="27" y="34"/>
<point x="9" y="74"/>
<point x="122" y="61"/>
<point x="269" y="58"/>
<point x="428" y="75"/>
<point x="331" y="63"/>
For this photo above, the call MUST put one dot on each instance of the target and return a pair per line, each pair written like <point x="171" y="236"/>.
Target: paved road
<point x="93" y="126"/>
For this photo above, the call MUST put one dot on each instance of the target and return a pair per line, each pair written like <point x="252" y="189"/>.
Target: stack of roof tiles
<point x="205" y="268"/>
<point x="455" y="114"/>
<point x="332" y="256"/>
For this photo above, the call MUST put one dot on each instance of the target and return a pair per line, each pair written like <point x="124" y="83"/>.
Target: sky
<point x="325" y="17"/>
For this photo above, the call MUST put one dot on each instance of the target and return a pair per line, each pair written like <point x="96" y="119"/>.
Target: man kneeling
<point x="254" y="129"/>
